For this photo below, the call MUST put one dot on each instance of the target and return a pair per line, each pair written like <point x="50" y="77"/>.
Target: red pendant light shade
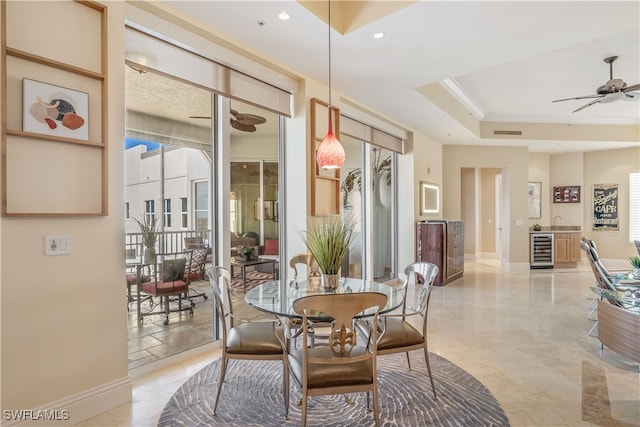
<point x="330" y="153"/>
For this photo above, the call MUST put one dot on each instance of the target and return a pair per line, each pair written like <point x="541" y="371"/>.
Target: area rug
<point x="251" y="396"/>
<point x="254" y="278"/>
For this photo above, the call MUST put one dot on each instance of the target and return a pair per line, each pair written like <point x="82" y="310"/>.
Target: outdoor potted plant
<point x="328" y="242"/>
<point x="245" y="253"/>
<point x="381" y="167"/>
<point x="148" y="228"/>
<point x="635" y="262"/>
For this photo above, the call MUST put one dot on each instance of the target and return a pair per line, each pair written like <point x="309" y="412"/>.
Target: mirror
<point x="429" y="198"/>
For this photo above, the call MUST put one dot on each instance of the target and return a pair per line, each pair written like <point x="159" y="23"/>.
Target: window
<point x="184" y="214"/>
<point x="201" y="209"/>
<point x="167" y="213"/>
<point x="235" y="212"/>
<point x="126" y="210"/>
<point x="634" y="206"/>
<point x="149" y="209"/>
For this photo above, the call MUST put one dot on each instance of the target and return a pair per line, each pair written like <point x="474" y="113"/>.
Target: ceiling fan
<point x="611" y="91"/>
<point x="242" y="121"/>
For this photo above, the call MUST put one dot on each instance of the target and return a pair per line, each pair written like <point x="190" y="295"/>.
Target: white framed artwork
<point x="534" y="199"/>
<point x="54" y="110"/>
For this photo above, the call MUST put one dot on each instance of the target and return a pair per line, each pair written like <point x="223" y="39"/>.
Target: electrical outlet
<point x="57" y="245"/>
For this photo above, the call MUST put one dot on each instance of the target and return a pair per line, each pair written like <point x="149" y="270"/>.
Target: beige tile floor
<point x="522" y="334"/>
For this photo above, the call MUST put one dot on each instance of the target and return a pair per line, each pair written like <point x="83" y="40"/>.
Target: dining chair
<point x="341" y="366"/>
<point x="242" y="340"/>
<point x="305" y="259"/>
<point x="304" y="263"/>
<point x="168" y="280"/>
<point x="397" y="334"/>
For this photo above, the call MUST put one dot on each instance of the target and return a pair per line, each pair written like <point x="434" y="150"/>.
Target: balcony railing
<point x="169" y="241"/>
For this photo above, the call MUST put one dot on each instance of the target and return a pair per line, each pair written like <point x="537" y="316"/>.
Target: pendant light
<point x="330" y="153"/>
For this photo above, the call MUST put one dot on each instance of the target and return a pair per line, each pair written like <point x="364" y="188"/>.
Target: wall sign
<point x="566" y="194"/>
<point x="605" y="207"/>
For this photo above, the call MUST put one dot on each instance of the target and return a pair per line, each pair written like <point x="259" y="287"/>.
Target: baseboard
<point x="74" y="409"/>
<point x="517" y="267"/>
<point x="177" y="358"/>
<point x="488" y="255"/>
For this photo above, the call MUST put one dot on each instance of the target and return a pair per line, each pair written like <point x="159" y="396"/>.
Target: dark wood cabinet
<point x="441" y="243"/>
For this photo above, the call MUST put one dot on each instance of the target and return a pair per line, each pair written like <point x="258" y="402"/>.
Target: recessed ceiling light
<point x="378" y="35"/>
<point x="284" y="15"/>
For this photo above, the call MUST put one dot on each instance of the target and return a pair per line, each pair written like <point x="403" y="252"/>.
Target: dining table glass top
<point x="266" y="297"/>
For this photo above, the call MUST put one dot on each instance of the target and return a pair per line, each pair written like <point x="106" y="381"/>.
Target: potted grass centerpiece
<point x="635" y="262"/>
<point x="329" y="241"/>
<point x="148" y="227"/>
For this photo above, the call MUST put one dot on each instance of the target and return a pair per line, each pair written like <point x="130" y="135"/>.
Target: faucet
<point x="554" y="219"/>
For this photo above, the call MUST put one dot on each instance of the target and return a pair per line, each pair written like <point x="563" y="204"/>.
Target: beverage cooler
<point x="541" y="250"/>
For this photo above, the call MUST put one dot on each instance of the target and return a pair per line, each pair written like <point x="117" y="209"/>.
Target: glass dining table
<point x="267" y="297"/>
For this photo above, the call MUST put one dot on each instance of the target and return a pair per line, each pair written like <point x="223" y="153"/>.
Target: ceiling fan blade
<point x="577" y="97"/>
<point x="595" y="101"/>
<point x="200" y="117"/>
<point x="250" y="119"/>
<point x="243" y="127"/>
<point x="631" y="88"/>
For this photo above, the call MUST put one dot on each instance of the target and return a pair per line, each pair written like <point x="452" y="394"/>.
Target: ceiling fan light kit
<point x="330" y="154"/>
<point x="612" y="91"/>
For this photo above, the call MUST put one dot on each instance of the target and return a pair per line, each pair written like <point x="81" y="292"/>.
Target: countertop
<point x="557" y="229"/>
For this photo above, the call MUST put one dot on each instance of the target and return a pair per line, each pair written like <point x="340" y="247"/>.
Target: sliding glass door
<point x="367" y="185"/>
<point x="170" y="174"/>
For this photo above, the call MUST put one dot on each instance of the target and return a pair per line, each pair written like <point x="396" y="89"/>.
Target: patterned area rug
<point x="252" y="396"/>
<point x="254" y="278"/>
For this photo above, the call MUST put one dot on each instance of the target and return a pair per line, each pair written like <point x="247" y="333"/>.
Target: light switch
<point x="57" y="245"/>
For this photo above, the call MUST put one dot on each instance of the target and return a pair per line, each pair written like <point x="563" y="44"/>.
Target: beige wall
<point x="64" y="317"/>
<point x="610" y="167"/>
<point x="514" y="162"/>
<point x="539" y="171"/>
<point x="487" y="226"/>
<point x="469" y="180"/>
<point x="566" y="169"/>
<point x="427" y="156"/>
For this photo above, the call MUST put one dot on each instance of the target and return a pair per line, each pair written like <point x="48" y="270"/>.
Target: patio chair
<point x="341" y="366"/>
<point x="262" y="340"/>
<point x="167" y="280"/>
<point x="133" y="258"/>
<point x="196" y="272"/>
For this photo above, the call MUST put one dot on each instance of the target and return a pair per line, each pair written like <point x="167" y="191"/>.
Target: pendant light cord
<point x="329" y="54"/>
